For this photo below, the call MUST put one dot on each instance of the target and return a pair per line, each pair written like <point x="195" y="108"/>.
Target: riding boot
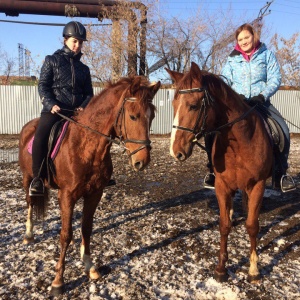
<point x="36" y="187"/>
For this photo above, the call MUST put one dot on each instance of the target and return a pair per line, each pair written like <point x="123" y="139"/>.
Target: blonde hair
<point x="249" y="28"/>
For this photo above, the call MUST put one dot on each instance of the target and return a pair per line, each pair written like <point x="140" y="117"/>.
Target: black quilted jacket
<point x="64" y="81"/>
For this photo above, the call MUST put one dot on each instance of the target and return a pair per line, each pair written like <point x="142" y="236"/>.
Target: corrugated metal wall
<point x="20" y="104"/>
<point x="288" y="103"/>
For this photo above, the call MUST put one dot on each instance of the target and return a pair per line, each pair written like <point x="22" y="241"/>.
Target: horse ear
<point x="135" y="85"/>
<point x="176" y="76"/>
<point x="195" y="70"/>
<point x="155" y="87"/>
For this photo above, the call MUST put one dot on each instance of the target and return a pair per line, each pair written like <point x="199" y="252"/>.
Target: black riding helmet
<point x="76" y="30"/>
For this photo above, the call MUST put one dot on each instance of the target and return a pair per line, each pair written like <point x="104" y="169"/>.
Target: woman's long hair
<point x="250" y="28"/>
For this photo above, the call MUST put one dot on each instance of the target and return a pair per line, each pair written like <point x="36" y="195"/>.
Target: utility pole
<point x="21" y="60"/>
<point x="27" y="62"/>
<point x="262" y="13"/>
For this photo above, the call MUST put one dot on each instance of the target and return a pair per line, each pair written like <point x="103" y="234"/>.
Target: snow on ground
<point x="156" y="234"/>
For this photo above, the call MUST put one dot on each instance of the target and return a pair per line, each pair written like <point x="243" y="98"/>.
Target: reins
<point x="207" y="100"/>
<point x="109" y="138"/>
<point x="121" y="141"/>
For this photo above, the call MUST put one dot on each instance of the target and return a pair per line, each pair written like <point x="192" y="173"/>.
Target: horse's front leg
<point x="89" y="207"/>
<point x="225" y="205"/>
<point x="66" y="207"/>
<point x="252" y="225"/>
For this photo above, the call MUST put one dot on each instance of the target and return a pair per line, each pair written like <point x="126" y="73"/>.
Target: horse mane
<point x="103" y="102"/>
<point x="214" y="83"/>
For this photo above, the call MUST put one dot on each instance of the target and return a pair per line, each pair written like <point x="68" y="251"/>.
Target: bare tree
<point x="7" y="66"/>
<point x="114" y="50"/>
<point x="205" y="38"/>
<point x="288" y="55"/>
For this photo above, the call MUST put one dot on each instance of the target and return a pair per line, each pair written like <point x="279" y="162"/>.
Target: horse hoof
<point x="28" y="240"/>
<point x="221" y="277"/>
<point x="57" y="290"/>
<point x="254" y="278"/>
<point x="94" y="274"/>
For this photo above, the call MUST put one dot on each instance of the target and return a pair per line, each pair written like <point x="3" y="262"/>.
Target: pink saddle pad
<point x="57" y="143"/>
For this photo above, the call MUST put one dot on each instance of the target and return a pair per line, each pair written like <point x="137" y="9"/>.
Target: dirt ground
<point x="163" y="215"/>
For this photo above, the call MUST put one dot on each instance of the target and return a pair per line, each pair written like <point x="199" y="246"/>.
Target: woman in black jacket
<point x="65" y="84"/>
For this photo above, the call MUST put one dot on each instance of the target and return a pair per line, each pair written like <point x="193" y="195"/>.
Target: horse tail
<point x="40" y="205"/>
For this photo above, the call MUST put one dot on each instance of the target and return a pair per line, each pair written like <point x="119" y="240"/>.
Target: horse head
<point x="135" y="114"/>
<point x="191" y="111"/>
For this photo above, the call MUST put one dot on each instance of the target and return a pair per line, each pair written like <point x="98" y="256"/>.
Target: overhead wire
<point x="49" y="24"/>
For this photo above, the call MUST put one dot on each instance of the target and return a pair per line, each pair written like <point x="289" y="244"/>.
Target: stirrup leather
<point x="289" y="179"/>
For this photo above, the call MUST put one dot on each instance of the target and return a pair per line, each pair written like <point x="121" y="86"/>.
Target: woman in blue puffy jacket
<point x="253" y="72"/>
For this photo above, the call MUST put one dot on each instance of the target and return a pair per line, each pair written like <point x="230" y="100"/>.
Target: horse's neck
<point x="101" y="114"/>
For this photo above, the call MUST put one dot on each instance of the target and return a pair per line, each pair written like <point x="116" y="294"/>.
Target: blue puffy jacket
<point x="260" y="75"/>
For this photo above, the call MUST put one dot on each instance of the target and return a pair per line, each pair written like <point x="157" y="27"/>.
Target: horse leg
<point x="252" y="225"/>
<point x="225" y="206"/>
<point x="28" y="237"/>
<point x="89" y="207"/>
<point x="66" y="233"/>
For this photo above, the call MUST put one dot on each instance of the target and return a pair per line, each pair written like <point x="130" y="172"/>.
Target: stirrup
<point x="289" y="179"/>
<point x="206" y="185"/>
<point x="36" y="194"/>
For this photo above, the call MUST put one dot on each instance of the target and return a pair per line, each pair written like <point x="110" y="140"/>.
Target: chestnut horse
<point x="242" y="152"/>
<point x="83" y="163"/>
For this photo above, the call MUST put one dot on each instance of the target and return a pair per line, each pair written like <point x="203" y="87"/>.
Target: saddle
<point x="275" y="132"/>
<point x="56" y="137"/>
<point x="273" y="128"/>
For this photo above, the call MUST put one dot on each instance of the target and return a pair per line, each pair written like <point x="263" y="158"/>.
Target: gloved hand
<point x="260" y="99"/>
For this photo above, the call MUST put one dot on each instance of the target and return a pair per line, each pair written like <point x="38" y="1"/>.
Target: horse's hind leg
<point x="89" y="207"/>
<point x="28" y="237"/>
<point x="37" y="204"/>
<point x="252" y="225"/>
<point x="225" y="206"/>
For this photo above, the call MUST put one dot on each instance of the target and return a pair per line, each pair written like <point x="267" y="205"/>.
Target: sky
<point x="284" y="19"/>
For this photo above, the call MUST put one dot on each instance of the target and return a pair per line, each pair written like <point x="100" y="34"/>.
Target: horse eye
<point x="133" y="118"/>
<point x="193" y="107"/>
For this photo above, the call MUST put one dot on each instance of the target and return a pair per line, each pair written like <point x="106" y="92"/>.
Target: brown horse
<point x="83" y="164"/>
<point x="242" y="152"/>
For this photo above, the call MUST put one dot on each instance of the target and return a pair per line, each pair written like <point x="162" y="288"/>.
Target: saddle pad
<point x="57" y="143"/>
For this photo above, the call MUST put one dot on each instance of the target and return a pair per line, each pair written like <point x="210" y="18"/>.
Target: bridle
<point x="121" y="117"/>
<point x="121" y="141"/>
<point x="207" y="101"/>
